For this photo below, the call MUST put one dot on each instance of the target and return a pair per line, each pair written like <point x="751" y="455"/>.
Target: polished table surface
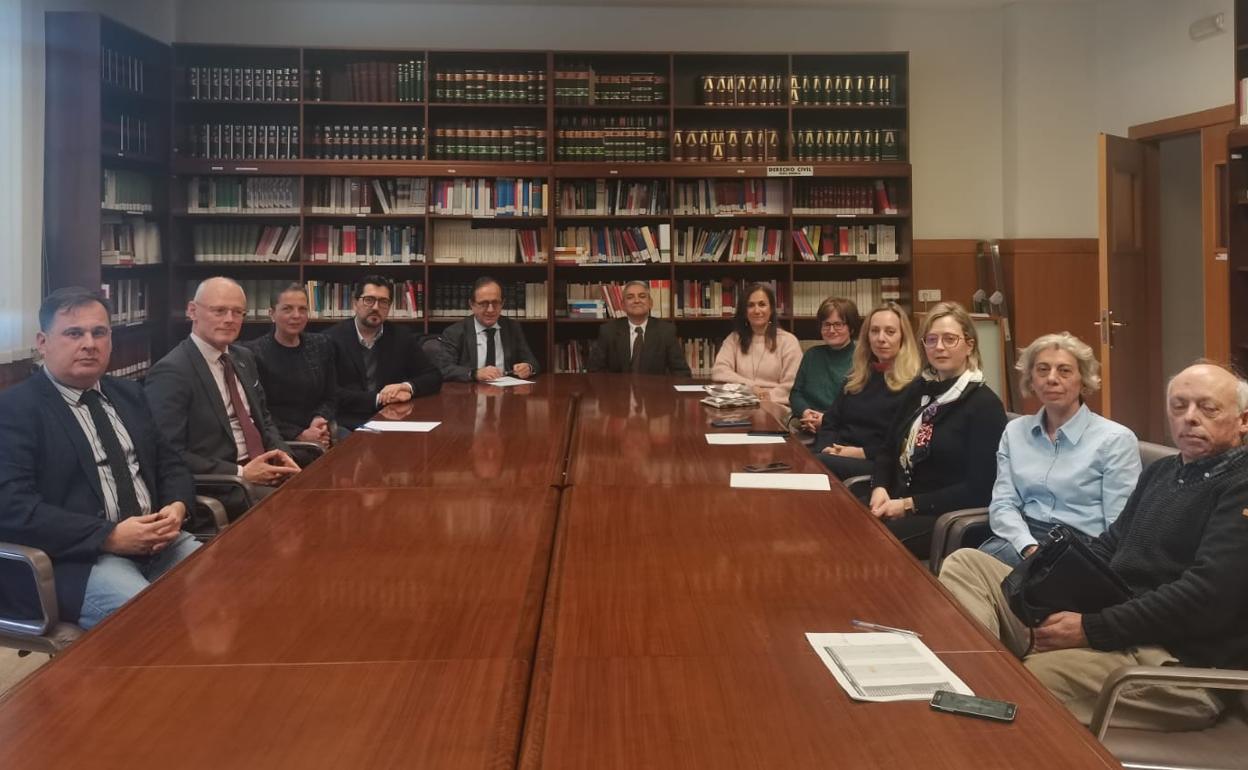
<point x="558" y="576"/>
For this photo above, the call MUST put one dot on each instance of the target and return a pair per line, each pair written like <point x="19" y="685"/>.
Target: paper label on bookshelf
<point x="790" y="171"/>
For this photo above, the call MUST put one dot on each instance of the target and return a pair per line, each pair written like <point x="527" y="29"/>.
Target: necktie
<point x="251" y="435"/>
<point x="639" y="339"/>
<point x="489" y="345"/>
<point x="127" y="499"/>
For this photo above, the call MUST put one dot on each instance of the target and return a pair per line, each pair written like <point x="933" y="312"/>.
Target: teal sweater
<point x="821" y="378"/>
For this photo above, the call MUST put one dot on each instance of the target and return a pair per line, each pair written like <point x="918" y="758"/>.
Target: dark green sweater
<point x="1181" y="544"/>
<point x="820" y="378"/>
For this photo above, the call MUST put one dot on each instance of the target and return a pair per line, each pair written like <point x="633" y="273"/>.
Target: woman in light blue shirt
<point x="1063" y="464"/>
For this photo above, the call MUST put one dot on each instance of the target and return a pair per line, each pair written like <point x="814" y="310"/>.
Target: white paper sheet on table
<point x="690" y="388"/>
<point x="885" y="666"/>
<point x="813" y="482"/>
<point x="508" y="382"/>
<point x="737" y="439"/>
<point x="398" y="426"/>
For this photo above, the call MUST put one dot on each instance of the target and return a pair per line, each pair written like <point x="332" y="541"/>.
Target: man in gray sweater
<point x="1181" y="545"/>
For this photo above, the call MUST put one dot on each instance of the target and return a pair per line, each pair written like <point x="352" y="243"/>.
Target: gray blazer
<point x="188" y="408"/>
<point x="457" y="358"/>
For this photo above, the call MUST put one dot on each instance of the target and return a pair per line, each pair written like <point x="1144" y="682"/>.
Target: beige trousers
<point x="1075" y="676"/>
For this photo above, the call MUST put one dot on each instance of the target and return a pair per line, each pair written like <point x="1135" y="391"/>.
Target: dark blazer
<point x="50" y="494"/>
<point x="190" y="412"/>
<point x="399" y="359"/>
<point x="961" y="462"/>
<point x="660" y="354"/>
<point x="459" y="349"/>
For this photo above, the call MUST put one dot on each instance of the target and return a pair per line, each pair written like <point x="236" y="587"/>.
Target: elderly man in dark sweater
<point x="1181" y="544"/>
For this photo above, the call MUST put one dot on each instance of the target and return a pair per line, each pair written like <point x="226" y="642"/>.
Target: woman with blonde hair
<point x="939" y="454"/>
<point x="1064" y="464"/>
<point x="886" y="360"/>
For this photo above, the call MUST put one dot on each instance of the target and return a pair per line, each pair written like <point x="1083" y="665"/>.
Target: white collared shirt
<point x="632" y="334"/>
<point x="365" y="341"/>
<point x="73" y="398"/>
<point x="213" y="357"/>
<point x="498" y="345"/>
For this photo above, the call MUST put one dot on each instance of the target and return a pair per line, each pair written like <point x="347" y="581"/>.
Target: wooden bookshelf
<point x="462" y="92"/>
<point x="107" y="113"/>
<point x="1237" y="203"/>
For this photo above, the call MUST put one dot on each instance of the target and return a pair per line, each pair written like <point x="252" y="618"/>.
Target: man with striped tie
<point x="85" y="475"/>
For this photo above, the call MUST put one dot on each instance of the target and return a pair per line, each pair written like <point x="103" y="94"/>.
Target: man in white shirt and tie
<point x="638" y="343"/>
<point x="486" y="345"/>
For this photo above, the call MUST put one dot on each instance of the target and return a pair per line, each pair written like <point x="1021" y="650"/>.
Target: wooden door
<point x="1214" y="206"/>
<point x="1130" y="288"/>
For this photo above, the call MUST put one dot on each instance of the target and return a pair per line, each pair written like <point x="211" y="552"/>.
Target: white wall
<point x="1147" y="68"/>
<point x="1006" y="102"/>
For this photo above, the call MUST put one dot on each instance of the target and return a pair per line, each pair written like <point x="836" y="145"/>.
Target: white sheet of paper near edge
<point x="885" y="666"/>
<point x="737" y="439"/>
<point x="690" y="388"/>
<point x="508" y="382"/>
<point x="811" y="482"/>
<point x="398" y="426"/>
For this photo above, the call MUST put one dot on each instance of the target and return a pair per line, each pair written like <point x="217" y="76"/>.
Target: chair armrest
<point x="45" y="587"/>
<point x="855" y="481"/>
<point x="1171" y="676"/>
<point x="214" y="506"/>
<point x="950" y="532"/>
<point x="308" y="446"/>
<point x="228" y="480"/>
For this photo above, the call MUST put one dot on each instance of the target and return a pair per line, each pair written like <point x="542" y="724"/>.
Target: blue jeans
<point x="1004" y="552"/>
<point x="115" y="580"/>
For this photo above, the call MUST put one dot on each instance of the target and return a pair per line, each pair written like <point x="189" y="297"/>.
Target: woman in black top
<point x="297" y="371"/>
<point x="939" y="453"/>
<point x="886" y="359"/>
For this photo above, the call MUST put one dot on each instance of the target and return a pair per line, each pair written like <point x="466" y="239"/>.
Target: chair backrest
<point x="1151" y="453"/>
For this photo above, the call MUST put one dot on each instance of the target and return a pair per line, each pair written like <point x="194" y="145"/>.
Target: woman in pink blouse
<point x="758" y="352"/>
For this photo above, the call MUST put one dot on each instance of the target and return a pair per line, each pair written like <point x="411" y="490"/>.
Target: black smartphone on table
<point x="731" y="422"/>
<point x="972" y="706"/>
<point x="768" y="468"/>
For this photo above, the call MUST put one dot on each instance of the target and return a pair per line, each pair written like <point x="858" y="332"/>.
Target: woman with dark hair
<point x="821" y="377"/>
<point x="758" y="353"/>
<point x="940" y="453"/>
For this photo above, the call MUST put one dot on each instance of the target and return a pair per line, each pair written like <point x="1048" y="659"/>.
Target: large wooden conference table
<point x="558" y="576"/>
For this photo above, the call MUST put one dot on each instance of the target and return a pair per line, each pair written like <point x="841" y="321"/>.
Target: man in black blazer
<point x="85" y="475"/>
<point x="638" y="343"/>
<point x="486" y="345"/>
<point x="208" y="401"/>
<point x="378" y="362"/>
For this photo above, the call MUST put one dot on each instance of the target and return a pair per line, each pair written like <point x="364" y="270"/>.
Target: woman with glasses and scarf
<point x="940" y="452"/>
<point x="821" y="377"/>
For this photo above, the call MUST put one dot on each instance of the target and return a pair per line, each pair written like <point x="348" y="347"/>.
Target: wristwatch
<point x="907" y="505"/>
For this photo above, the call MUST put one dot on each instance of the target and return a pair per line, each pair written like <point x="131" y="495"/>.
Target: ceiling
<point x="756" y="4"/>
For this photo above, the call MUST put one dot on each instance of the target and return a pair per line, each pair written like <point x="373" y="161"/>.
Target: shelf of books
<point x="562" y="174"/>
<point x="107" y="132"/>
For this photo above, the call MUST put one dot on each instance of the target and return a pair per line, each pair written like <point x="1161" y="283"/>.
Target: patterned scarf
<point x="920" y="436"/>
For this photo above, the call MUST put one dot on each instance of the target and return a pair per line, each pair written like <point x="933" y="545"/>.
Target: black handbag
<point x="1062" y="574"/>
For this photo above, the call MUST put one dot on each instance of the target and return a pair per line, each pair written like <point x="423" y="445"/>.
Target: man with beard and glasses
<point x="379" y="362"/>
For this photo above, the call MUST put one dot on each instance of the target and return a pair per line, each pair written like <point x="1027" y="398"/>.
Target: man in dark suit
<point x="378" y="362"/>
<point x="85" y="475"/>
<point x="208" y="401"/>
<point x="638" y="343"/>
<point x="485" y="346"/>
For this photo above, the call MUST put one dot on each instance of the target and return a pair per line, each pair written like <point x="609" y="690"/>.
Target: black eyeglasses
<point x="370" y="301"/>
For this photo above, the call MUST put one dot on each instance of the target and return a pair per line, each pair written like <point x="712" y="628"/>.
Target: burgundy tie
<point x="255" y="444"/>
